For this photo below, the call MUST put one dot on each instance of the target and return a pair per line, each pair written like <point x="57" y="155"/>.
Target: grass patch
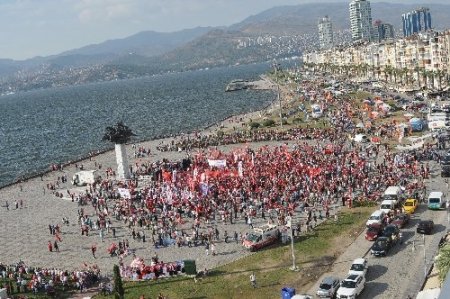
<point x="315" y="253"/>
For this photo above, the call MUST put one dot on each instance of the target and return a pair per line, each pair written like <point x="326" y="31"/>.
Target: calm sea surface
<point x="57" y="125"/>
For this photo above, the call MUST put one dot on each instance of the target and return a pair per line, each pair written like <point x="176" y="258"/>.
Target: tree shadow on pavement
<point x="374" y="288"/>
<point x="375" y="271"/>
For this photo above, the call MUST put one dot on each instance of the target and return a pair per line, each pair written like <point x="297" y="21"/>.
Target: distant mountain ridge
<point x="276" y="33"/>
<point x="145" y="43"/>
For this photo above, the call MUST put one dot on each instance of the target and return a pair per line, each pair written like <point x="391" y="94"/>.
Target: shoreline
<point x="25" y="230"/>
<point x="205" y="129"/>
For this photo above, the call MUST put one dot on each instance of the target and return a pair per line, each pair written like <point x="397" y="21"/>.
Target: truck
<point x="261" y="236"/>
<point x="85" y="177"/>
<point x="394" y="193"/>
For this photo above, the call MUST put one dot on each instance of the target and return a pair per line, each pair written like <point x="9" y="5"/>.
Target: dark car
<point x="392" y="232"/>
<point x="381" y="246"/>
<point x="401" y="220"/>
<point x="374" y="231"/>
<point x="445" y="160"/>
<point x="425" y="227"/>
<point x="445" y="171"/>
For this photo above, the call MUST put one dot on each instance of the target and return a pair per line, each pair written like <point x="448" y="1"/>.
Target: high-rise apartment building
<point x="416" y="21"/>
<point x="325" y="33"/>
<point x="361" y="20"/>
<point x="382" y="31"/>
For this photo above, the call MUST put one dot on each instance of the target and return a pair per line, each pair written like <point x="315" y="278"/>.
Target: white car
<point x="359" y="267"/>
<point x="351" y="287"/>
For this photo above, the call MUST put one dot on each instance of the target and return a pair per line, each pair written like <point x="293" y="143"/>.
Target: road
<point x="402" y="272"/>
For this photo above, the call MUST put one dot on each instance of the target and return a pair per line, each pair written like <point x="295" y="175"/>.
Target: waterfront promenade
<point x="25" y="231"/>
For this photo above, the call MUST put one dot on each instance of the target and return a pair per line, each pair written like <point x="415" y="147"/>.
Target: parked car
<point x="328" y="287"/>
<point x="392" y="232"/>
<point x="410" y="205"/>
<point x="401" y="220"/>
<point x="376" y="217"/>
<point x="351" y="287"/>
<point x="374" y="231"/>
<point x="425" y="227"/>
<point x="359" y="267"/>
<point x="381" y="246"/>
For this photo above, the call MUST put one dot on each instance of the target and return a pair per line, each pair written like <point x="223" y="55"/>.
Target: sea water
<point x="57" y="125"/>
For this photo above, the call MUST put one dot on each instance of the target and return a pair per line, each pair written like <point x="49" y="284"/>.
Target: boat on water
<point x="238" y="84"/>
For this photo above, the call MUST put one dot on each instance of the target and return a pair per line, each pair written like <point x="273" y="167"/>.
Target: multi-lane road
<point x="402" y="272"/>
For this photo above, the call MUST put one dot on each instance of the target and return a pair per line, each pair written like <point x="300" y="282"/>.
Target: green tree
<point x="119" y="134"/>
<point x="443" y="262"/>
<point x="119" y="291"/>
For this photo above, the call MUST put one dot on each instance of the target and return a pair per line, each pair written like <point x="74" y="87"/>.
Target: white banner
<point x="124" y="193"/>
<point x="240" y="169"/>
<point x="217" y="163"/>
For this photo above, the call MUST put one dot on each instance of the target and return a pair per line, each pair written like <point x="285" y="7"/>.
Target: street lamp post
<point x="289" y="225"/>
<point x="424" y="257"/>
<point x="281" y="107"/>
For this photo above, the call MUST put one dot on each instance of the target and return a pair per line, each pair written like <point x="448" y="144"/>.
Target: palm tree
<point x="120" y="134"/>
<point x="439" y="74"/>
<point x="424" y="73"/>
<point x="405" y="76"/>
<point x="386" y="71"/>
<point x="418" y="70"/>
<point x="443" y="262"/>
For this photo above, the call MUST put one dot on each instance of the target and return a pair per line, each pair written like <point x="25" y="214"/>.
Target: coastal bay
<point x="58" y="125"/>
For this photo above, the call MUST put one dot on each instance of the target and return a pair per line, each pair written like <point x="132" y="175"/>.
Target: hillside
<point x="276" y="33"/>
<point x="303" y="18"/>
<point x="146" y="43"/>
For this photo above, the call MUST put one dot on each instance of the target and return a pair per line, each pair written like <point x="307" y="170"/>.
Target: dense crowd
<point x="20" y="278"/>
<point x="178" y="203"/>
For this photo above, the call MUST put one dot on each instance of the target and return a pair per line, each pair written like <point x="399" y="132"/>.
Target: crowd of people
<point x="182" y="200"/>
<point x="20" y="278"/>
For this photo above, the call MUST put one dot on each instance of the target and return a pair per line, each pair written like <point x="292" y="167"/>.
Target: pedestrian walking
<point x="253" y="279"/>
<point x="55" y="245"/>
<point x="50" y="246"/>
<point x="93" y="250"/>
<point x="207" y="248"/>
<point x="250" y="222"/>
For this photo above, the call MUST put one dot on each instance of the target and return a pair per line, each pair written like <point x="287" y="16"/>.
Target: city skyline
<point x="33" y="28"/>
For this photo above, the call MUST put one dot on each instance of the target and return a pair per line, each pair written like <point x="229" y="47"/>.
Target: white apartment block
<point x="424" y="52"/>
<point x="361" y="20"/>
<point x="325" y="33"/>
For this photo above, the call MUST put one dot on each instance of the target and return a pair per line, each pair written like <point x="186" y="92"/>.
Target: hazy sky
<point x="31" y="28"/>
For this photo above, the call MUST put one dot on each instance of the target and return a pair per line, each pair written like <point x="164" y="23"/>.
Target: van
<point x="376" y="217"/>
<point x="85" y="177"/>
<point x="393" y="193"/>
<point x="387" y="205"/>
<point x="436" y="201"/>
